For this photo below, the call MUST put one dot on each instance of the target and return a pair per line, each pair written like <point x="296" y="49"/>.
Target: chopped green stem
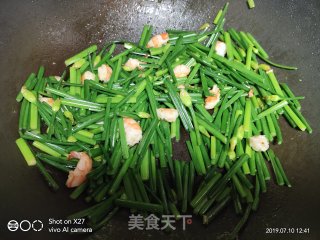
<point x="276" y="64"/>
<point x="81" y="55"/>
<point x="26" y="152"/>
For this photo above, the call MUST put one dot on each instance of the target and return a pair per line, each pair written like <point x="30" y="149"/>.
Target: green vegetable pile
<point x="223" y="170"/>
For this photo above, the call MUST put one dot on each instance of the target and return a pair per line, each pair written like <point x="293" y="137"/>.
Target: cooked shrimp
<point x="181" y="71"/>
<point x="132" y="64"/>
<point x="79" y="174"/>
<point x="158" y="40"/>
<point x="133" y="131"/>
<point x="215" y="90"/>
<point x="87" y="75"/>
<point x="104" y="73"/>
<point x="221" y="48"/>
<point x="259" y="143"/>
<point x="212" y="101"/>
<point x="167" y="114"/>
<point x="47" y="100"/>
<point x="250" y="93"/>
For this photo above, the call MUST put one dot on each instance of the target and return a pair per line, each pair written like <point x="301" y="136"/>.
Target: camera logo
<point x="25" y="225"/>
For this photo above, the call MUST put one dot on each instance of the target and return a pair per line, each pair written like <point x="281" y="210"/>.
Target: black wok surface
<point x="47" y="32"/>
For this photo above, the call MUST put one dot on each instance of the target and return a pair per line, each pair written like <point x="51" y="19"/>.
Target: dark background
<point x="47" y="32"/>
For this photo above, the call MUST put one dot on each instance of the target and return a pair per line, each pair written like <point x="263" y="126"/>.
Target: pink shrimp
<point x="87" y="75"/>
<point x="167" y="114"/>
<point x="47" y="100"/>
<point x="259" y="143"/>
<point x="104" y="73"/>
<point x="79" y="174"/>
<point x="133" y="131"/>
<point x="250" y="93"/>
<point x="181" y="71"/>
<point x="158" y="40"/>
<point x="212" y="101"/>
<point x="221" y="48"/>
<point x="132" y="64"/>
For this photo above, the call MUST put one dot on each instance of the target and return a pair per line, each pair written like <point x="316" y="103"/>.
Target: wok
<point x="47" y="32"/>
